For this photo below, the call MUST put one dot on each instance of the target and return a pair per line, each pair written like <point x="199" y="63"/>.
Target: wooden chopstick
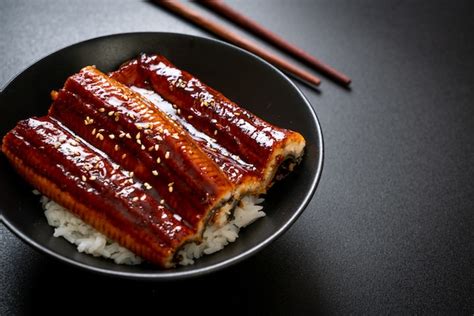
<point x="235" y="38"/>
<point x="239" y="19"/>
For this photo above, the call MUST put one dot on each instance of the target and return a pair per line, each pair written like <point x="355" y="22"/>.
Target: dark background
<point x="390" y="228"/>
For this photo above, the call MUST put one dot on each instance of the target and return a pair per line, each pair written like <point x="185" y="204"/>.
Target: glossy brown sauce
<point x="92" y="177"/>
<point x="231" y="164"/>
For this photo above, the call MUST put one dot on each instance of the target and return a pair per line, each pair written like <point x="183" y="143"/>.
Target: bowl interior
<point x="247" y="80"/>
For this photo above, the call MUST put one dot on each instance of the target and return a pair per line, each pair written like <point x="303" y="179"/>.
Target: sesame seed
<point x="135" y="199"/>
<point x="131" y="173"/>
<point x="157" y="147"/>
<point x="102" y="110"/>
<point x="158" y="160"/>
<point x="142" y="147"/>
<point x="101" y="130"/>
<point x="128" y="136"/>
<point x="122" y="134"/>
<point x="170" y="184"/>
<point x="147" y="185"/>
<point x="138" y="135"/>
<point x="213" y="121"/>
<point x="236" y="113"/>
<point x="155" y="173"/>
<point x="88" y="121"/>
<point x="139" y="142"/>
<point x="100" y="136"/>
<point x="116" y="119"/>
<point x="215" y="132"/>
<point x="178" y="111"/>
<point x="138" y="126"/>
<point x="190" y="117"/>
<point x="132" y="116"/>
<point x="111" y="113"/>
<point x="116" y="147"/>
<point x="143" y="197"/>
<point x="150" y="148"/>
<point x="111" y="136"/>
<point x="93" y="131"/>
<point x="123" y="156"/>
<point x="167" y="155"/>
<point x="170" y="189"/>
<point x="162" y="201"/>
<point x="92" y="178"/>
<point x="84" y="178"/>
<point x="130" y="181"/>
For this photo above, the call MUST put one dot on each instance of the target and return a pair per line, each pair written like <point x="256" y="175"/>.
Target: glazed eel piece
<point x="259" y="152"/>
<point x="142" y="139"/>
<point x="80" y="177"/>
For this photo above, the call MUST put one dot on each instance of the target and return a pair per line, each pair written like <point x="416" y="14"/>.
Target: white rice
<point x="216" y="238"/>
<point x="90" y="241"/>
<point x="85" y="237"/>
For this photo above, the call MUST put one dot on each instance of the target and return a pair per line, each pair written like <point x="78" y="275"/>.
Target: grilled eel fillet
<point x="252" y="152"/>
<point x="133" y="132"/>
<point x="83" y="179"/>
<point x="172" y="184"/>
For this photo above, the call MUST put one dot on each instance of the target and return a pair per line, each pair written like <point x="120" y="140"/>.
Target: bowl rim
<point x="166" y="275"/>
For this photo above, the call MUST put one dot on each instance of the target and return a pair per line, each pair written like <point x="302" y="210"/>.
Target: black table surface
<point x="390" y="228"/>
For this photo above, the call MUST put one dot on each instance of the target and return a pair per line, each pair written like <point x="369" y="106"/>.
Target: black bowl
<point x="241" y="76"/>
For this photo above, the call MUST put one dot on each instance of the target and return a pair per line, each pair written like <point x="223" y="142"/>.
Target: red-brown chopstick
<point x="233" y="37"/>
<point x="237" y="18"/>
